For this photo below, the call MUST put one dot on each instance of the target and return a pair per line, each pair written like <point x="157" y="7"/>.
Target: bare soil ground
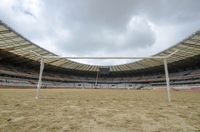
<point x="98" y="111"/>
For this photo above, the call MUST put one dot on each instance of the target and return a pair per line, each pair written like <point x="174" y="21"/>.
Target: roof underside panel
<point x="13" y="42"/>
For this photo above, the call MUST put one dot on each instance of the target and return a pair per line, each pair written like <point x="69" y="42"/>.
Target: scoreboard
<point x="104" y="70"/>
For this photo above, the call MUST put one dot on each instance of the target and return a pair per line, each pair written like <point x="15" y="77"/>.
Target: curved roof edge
<point x="13" y="42"/>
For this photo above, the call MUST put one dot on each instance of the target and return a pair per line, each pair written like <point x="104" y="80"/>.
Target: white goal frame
<point x="164" y="58"/>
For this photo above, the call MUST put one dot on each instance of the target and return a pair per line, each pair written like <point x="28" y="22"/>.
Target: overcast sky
<point x="103" y="27"/>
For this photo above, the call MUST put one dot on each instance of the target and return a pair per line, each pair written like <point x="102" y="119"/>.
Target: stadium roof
<point x="15" y="43"/>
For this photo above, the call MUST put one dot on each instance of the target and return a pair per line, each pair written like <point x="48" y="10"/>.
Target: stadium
<point x="21" y="64"/>
<point x="43" y="91"/>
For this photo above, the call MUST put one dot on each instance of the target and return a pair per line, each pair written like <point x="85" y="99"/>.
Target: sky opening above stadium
<point x="103" y="27"/>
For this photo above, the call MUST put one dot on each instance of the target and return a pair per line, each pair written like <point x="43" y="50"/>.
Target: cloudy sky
<point x="103" y="27"/>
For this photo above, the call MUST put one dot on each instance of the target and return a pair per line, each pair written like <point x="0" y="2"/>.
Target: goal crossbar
<point x="103" y="58"/>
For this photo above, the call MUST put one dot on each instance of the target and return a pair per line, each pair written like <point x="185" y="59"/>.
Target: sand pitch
<point x="98" y="111"/>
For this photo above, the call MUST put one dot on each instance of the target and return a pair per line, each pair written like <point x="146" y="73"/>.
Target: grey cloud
<point x="89" y="40"/>
<point x="101" y="27"/>
<point x="167" y="12"/>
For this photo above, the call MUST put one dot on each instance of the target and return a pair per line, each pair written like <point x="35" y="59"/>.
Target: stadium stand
<point x="20" y="68"/>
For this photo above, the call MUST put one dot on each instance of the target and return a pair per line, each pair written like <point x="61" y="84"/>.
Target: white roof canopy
<point x="13" y="42"/>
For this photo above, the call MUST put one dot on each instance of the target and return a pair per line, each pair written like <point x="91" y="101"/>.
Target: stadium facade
<point x="20" y="68"/>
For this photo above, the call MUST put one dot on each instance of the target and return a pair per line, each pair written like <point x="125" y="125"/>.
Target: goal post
<point x="40" y="78"/>
<point x="164" y="58"/>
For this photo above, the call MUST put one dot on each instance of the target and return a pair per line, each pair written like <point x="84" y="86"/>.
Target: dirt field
<point x="98" y="111"/>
